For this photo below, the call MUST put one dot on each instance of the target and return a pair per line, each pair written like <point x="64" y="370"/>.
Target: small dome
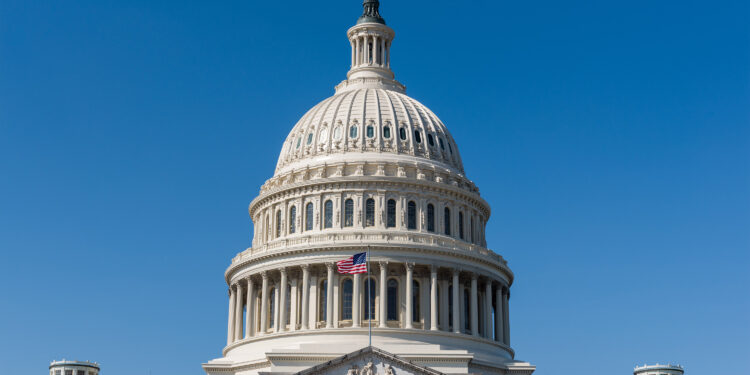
<point x="369" y="124"/>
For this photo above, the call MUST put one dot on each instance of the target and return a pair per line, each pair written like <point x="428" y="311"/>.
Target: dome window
<point x="370" y="212"/>
<point x="442" y="145"/>
<point x="447" y="221"/>
<point x="370" y="131"/>
<point x="402" y="133"/>
<point x="387" y="132"/>
<point x="412" y="215"/>
<point x="337" y="133"/>
<point x="430" y="218"/>
<point x="309" y="216"/>
<point x="391" y="217"/>
<point x="309" y="138"/>
<point x="450" y="148"/>
<point x="299" y="141"/>
<point x="328" y="214"/>
<point x="353" y="131"/>
<point x="417" y="136"/>
<point x="323" y="135"/>
<point x="430" y="140"/>
<point x="348" y="213"/>
<point x="293" y="219"/>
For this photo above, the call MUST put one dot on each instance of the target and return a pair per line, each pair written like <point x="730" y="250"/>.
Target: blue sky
<point x="612" y="140"/>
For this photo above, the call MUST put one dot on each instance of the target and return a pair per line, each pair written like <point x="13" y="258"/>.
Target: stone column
<point x="473" y="304"/>
<point x="264" y="304"/>
<point x="230" y="327"/>
<point x="456" y="304"/>
<point x="249" y="308"/>
<point x="488" y="310"/>
<point x="499" y="314"/>
<point x="356" y="51"/>
<point x="409" y="291"/>
<point x="352" y="43"/>
<point x="281" y="325"/>
<point x="383" y="319"/>
<point x="305" y="296"/>
<point x="382" y="52"/>
<point x="506" y="318"/>
<point x="433" y="299"/>
<point x="238" y="314"/>
<point x="276" y="306"/>
<point x="356" y="300"/>
<point x="329" y="296"/>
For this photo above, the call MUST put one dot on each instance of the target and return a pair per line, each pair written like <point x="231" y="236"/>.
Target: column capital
<point x="474" y="276"/>
<point x="409" y="266"/>
<point x="282" y="270"/>
<point x="249" y="280"/>
<point x="305" y="267"/>
<point x="455" y="271"/>
<point x="264" y="275"/>
<point x="329" y="266"/>
<point x="383" y="263"/>
<point x="434" y="268"/>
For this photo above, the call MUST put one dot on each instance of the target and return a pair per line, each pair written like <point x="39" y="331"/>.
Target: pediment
<point x="369" y="361"/>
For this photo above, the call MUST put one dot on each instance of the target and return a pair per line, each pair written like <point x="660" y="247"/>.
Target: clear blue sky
<point x="612" y="139"/>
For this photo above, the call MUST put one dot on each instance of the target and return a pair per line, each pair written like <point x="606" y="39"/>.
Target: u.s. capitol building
<point x="369" y="169"/>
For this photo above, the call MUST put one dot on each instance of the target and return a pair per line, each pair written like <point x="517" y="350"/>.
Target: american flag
<point x="357" y="263"/>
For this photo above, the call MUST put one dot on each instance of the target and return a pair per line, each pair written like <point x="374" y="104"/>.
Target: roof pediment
<point x="369" y="361"/>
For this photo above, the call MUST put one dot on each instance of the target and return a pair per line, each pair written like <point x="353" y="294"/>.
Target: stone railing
<point x="374" y="238"/>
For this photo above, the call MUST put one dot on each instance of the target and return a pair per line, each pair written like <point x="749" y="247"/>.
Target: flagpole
<point x="369" y="300"/>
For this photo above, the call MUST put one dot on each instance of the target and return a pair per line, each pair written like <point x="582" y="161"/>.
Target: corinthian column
<point x="305" y="296"/>
<point x="238" y="314"/>
<point x="433" y="299"/>
<point x="409" y="291"/>
<point x="281" y="325"/>
<point x="383" y="298"/>
<point x="264" y="304"/>
<point x="456" y="304"/>
<point x="329" y="295"/>
<point x="499" y="314"/>
<point x="506" y="318"/>
<point x="488" y="310"/>
<point x="473" y="307"/>
<point x="230" y="327"/>
<point x="249" y="308"/>
<point x="356" y="302"/>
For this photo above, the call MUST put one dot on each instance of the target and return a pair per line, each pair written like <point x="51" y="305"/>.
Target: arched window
<point x="430" y="140"/>
<point x="417" y="136"/>
<point x="278" y="223"/>
<point x="370" y="292"/>
<point x="369" y="212"/>
<point x="411" y="215"/>
<point x="309" y="138"/>
<point x="460" y="225"/>
<point x="328" y="214"/>
<point x="322" y="300"/>
<point x="299" y="141"/>
<point x="386" y="132"/>
<point x="415" y="313"/>
<point x="370" y="131"/>
<point x="402" y="133"/>
<point x="348" y="213"/>
<point x="353" y="131"/>
<point x="309" y="216"/>
<point x="293" y="219"/>
<point x="392" y="299"/>
<point x="447" y="221"/>
<point x="430" y="218"/>
<point x="442" y="145"/>
<point x="391" y="214"/>
<point x="346" y="299"/>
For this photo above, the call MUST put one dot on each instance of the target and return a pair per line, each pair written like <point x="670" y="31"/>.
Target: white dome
<point x="369" y="123"/>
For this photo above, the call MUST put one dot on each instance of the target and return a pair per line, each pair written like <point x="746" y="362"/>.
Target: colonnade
<point x="371" y="49"/>
<point x="440" y="299"/>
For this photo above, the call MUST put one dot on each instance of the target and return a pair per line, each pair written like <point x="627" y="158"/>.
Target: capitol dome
<point x="369" y="170"/>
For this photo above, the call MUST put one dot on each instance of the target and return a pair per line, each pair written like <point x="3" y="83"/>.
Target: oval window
<point x="386" y="132"/>
<point x="430" y="140"/>
<point x="442" y="145"/>
<point x="309" y="138"/>
<point x="402" y="133"/>
<point x="353" y="131"/>
<point x="370" y="131"/>
<point x="417" y="136"/>
<point x="323" y="135"/>
<point x="337" y="133"/>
